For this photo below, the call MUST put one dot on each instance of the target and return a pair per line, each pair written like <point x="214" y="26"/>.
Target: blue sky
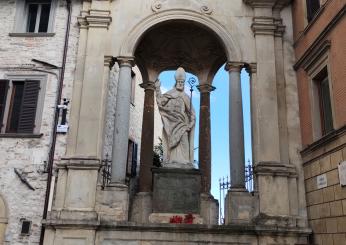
<point x="219" y="120"/>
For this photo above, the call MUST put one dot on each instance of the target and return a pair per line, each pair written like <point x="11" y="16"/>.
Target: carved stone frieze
<point x="195" y="5"/>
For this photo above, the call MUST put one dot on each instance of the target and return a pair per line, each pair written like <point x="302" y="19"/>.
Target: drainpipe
<point x="56" y="119"/>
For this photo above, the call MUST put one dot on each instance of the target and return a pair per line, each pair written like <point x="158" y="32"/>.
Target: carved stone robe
<point x="177" y="139"/>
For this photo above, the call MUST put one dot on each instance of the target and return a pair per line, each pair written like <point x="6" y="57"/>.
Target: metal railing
<point x="106" y="172"/>
<point x="225" y="185"/>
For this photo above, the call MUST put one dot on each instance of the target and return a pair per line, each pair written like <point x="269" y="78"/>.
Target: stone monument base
<point x="166" y="218"/>
<point x="241" y="206"/>
<point x="176" y="190"/>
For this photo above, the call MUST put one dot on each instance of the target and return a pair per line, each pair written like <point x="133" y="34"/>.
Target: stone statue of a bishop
<point x="178" y="118"/>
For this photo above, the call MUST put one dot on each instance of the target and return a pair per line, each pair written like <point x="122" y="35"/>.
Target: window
<point x="312" y="6"/>
<point x="131" y="168"/>
<point x="34" y="16"/>
<point x="324" y="102"/>
<point x="19" y="99"/>
<point x="38" y="13"/>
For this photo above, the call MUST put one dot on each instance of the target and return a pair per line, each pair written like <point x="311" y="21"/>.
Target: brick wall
<point x="326" y="206"/>
<point x="305" y="35"/>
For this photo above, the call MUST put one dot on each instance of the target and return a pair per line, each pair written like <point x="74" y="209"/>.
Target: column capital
<point x="205" y="88"/>
<point x="234" y="66"/>
<point x="126" y="61"/>
<point x="251" y="68"/>
<point x="149" y="85"/>
<point x="109" y="61"/>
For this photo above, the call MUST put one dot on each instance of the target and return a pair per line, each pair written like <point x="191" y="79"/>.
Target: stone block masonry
<point x="326" y="206"/>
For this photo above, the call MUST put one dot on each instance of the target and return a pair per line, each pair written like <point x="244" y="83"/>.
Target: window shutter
<point x="28" y="108"/>
<point x="3" y="96"/>
<point x="134" y="160"/>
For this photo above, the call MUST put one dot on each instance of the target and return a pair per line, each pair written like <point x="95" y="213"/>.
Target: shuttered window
<point x="22" y="100"/>
<point x="3" y="96"/>
<point x="312" y="6"/>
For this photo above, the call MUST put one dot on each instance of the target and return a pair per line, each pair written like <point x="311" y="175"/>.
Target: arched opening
<point x="197" y="48"/>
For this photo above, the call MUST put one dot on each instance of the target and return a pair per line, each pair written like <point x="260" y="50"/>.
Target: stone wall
<point x="326" y="205"/>
<point x="30" y="155"/>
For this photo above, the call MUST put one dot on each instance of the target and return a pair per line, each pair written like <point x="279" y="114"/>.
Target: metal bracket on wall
<point x="23" y="179"/>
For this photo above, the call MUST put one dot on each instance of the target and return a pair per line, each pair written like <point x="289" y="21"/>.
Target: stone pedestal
<point x="176" y="190"/>
<point x="209" y="209"/>
<point x="112" y="203"/>
<point x="240" y="206"/>
<point x="141" y="207"/>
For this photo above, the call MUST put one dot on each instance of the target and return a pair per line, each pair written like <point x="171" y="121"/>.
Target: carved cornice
<point x="280" y="28"/>
<point x="94" y="19"/>
<point x="263" y="26"/>
<point x="205" y="88"/>
<point x="312" y="55"/>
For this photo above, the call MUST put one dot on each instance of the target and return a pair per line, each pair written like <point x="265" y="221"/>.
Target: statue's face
<point x="179" y="85"/>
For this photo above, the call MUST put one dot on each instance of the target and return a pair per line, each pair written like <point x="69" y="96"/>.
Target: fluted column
<point x="121" y="122"/>
<point x="204" y="152"/>
<point x="236" y="128"/>
<point x="147" y="140"/>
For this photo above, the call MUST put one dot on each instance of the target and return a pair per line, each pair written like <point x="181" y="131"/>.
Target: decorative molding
<point x="233" y="52"/>
<point x="323" y="142"/>
<point x="94" y="19"/>
<point x="312" y="55"/>
<point x="263" y="26"/>
<point x="275" y="169"/>
<point x="79" y="163"/>
<point x="160" y="5"/>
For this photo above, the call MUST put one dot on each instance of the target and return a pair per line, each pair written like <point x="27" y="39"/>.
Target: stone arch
<point x="3" y="219"/>
<point x="232" y="49"/>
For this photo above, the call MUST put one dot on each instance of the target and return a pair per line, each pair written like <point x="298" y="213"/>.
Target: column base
<point x="209" y="209"/>
<point x="141" y="207"/>
<point x="240" y="206"/>
<point x="112" y="202"/>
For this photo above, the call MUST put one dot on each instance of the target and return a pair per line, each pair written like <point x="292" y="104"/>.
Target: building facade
<point x="85" y="177"/>
<point x="319" y="45"/>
